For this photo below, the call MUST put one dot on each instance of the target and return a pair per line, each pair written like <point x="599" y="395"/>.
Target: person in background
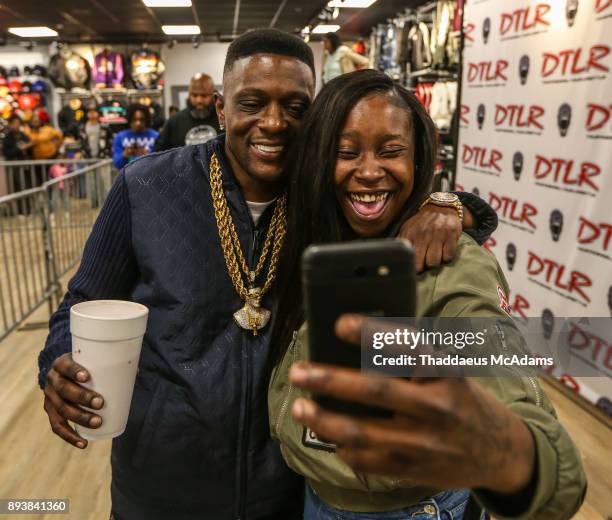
<point x="195" y="124"/>
<point x="46" y="139"/>
<point x="93" y="134"/>
<point x="17" y="146"/>
<point x="172" y="110"/>
<point x="138" y="140"/>
<point x="58" y="191"/>
<point x="46" y="142"/>
<point x="339" y="59"/>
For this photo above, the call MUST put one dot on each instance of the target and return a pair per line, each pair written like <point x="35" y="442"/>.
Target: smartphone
<point x="372" y="277"/>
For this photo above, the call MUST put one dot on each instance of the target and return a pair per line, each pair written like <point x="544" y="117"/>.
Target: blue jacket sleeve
<point x="118" y="160"/>
<point x="485" y="217"/>
<point x="108" y="270"/>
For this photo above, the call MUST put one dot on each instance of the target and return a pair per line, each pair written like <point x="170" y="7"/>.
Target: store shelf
<point x="433" y="73"/>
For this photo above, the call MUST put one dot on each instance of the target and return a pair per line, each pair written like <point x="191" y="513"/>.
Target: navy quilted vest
<point x="197" y="444"/>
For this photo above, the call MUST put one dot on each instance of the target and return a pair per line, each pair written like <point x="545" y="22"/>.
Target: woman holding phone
<point x="364" y="162"/>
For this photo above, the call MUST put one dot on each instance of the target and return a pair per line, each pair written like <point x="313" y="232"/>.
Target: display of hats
<point x="39" y="85"/>
<point x="43" y="115"/>
<point x="39" y="70"/>
<point x="28" y="101"/>
<point x="14" y="86"/>
<point x="27" y="70"/>
<point x="5" y="108"/>
<point x="3" y="71"/>
<point x="26" y="86"/>
<point x="4" y="91"/>
<point x="14" y="72"/>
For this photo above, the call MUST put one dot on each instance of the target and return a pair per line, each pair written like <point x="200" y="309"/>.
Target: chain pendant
<point x="252" y="316"/>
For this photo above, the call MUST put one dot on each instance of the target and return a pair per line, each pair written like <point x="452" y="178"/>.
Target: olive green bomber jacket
<point x="472" y="285"/>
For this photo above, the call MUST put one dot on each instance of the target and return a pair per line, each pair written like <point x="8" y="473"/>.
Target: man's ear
<point x="220" y="108"/>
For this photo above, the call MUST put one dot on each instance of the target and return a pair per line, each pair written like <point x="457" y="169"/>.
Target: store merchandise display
<point x="22" y="91"/>
<point x="440" y="100"/>
<point x="69" y="70"/>
<point x="108" y="71"/>
<point x="113" y="80"/>
<point x="146" y="69"/>
<point x="71" y="116"/>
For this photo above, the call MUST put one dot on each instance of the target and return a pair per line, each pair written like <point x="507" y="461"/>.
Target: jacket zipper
<point x="242" y="477"/>
<point x="535" y="389"/>
<point x="242" y="492"/>
<point x="283" y="408"/>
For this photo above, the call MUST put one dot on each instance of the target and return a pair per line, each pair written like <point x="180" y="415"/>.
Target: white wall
<point x="12" y="55"/>
<point x="183" y="61"/>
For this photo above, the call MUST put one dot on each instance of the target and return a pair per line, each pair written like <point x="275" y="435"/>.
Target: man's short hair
<point x="137" y="107"/>
<point x="268" y="41"/>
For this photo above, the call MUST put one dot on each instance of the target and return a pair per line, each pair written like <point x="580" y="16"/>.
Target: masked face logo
<point x="524" y="68"/>
<point x="480" y="115"/>
<point x="486" y="29"/>
<point x="511" y="255"/>
<point x="476" y="191"/>
<point x="517" y="165"/>
<point x="571" y="9"/>
<point x="604" y="404"/>
<point x="564" y="117"/>
<point x="548" y="323"/>
<point x="556" y="224"/>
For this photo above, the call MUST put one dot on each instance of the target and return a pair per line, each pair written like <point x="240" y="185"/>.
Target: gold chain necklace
<point x="252" y="316"/>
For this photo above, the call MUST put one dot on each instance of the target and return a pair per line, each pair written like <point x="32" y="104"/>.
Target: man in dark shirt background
<point x="17" y="145"/>
<point x="195" y="124"/>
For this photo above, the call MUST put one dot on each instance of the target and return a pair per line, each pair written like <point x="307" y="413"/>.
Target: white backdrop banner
<point x="535" y="141"/>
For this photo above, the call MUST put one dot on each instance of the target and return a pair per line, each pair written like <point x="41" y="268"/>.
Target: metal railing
<point x="42" y="234"/>
<point x="25" y="175"/>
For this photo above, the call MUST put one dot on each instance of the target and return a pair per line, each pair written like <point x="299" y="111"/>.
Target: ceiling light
<point x="323" y="29"/>
<point x="181" y="29"/>
<point x="352" y="4"/>
<point x="167" y="3"/>
<point x="32" y="32"/>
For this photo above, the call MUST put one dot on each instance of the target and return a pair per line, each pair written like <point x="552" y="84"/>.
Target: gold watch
<point x="445" y="199"/>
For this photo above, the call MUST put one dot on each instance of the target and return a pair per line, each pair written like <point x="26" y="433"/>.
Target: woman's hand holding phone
<point x="446" y="433"/>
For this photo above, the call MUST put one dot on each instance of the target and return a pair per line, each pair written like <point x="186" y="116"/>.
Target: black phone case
<point x="372" y="277"/>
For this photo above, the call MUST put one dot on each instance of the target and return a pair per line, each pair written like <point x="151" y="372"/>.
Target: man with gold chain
<point x="195" y="234"/>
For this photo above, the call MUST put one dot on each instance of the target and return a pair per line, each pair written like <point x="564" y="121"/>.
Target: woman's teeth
<point x="268" y="149"/>
<point x="368" y="197"/>
<point x="369" y="205"/>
